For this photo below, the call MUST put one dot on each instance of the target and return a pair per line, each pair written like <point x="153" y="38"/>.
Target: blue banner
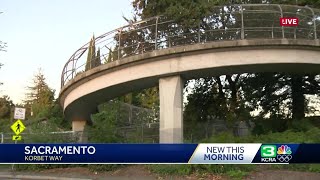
<point x="236" y="153"/>
<point x="96" y="153"/>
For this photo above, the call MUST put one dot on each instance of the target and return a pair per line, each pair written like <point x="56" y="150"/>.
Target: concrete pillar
<point x="78" y="126"/>
<point x="171" y="109"/>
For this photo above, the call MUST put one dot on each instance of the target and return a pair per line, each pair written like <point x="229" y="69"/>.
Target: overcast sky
<point x="45" y="33"/>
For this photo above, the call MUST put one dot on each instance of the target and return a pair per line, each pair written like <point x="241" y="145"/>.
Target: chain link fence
<point x="48" y="137"/>
<point x="198" y="131"/>
<point x="132" y="124"/>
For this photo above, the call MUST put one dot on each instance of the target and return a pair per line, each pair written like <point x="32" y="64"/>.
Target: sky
<point x="45" y="33"/>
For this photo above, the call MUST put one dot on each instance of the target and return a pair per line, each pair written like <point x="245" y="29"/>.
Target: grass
<point x="237" y="174"/>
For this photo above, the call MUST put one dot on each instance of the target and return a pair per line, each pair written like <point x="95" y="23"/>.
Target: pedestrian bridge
<point x="158" y="51"/>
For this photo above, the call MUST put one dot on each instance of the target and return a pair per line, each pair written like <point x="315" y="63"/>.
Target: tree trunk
<point x="222" y="110"/>
<point x="297" y="95"/>
<point x="233" y="89"/>
<point x="221" y="93"/>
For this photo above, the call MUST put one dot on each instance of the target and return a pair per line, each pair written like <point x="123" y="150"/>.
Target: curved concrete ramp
<point x="80" y="96"/>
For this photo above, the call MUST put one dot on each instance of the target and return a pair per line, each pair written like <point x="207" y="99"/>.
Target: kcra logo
<point x="270" y="153"/>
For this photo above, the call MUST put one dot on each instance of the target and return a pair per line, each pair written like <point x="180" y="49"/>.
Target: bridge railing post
<point x="314" y="22"/>
<point x="199" y="32"/>
<point x="281" y="14"/>
<point x="119" y="43"/>
<point x="242" y="23"/>
<point x="73" y="71"/>
<point x="156" y="35"/>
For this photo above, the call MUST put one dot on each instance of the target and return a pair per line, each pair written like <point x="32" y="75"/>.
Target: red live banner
<point x="289" y="21"/>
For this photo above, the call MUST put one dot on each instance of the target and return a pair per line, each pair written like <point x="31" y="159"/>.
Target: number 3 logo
<point x="268" y="151"/>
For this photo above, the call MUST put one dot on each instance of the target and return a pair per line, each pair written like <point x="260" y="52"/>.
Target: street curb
<point x="39" y="177"/>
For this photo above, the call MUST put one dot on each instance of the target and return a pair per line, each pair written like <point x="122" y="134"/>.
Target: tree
<point x="280" y="95"/>
<point x="204" y="102"/>
<point x="103" y="129"/>
<point x="93" y="59"/>
<point x="91" y="54"/>
<point x="110" y="57"/>
<point x="6" y="107"/>
<point x="97" y="61"/>
<point x="40" y="97"/>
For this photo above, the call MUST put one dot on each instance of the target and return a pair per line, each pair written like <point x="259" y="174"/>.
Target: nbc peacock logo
<point x="284" y="153"/>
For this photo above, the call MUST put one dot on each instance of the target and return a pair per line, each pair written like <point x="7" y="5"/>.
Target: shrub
<point x="104" y="167"/>
<point x="103" y="129"/>
<point x="301" y="125"/>
<point x="171" y="169"/>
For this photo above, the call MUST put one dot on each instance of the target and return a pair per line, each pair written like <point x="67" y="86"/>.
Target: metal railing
<point x="230" y="22"/>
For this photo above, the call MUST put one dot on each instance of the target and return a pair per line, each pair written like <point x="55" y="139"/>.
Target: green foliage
<point x="40" y="97"/>
<point x="104" y="167"/>
<point x="91" y="167"/>
<point x="298" y="167"/>
<point x="6" y="107"/>
<point x="149" y="98"/>
<point x="237" y="174"/>
<point x="45" y="131"/>
<point x="266" y="125"/>
<point x="93" y="58"/>
<point x="204" y="101"/>
<point x="91" y="54"/>
<point x="39" y="167"/>
<point x="5" y="125"/>
<point x="56" y="116"/>
<point x="300" y="125"/>
<point x="97" y="59"/>
<point x="234" y="171"/>
<point x="289" y="136"/>
<point x="103" y="128"/>
<point x="171" y="169"/>
<point x="187" y="11"/>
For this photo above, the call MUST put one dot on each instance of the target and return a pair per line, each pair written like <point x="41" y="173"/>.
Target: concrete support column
<point x="78" y="125"/>
<point x="171" y="109"/>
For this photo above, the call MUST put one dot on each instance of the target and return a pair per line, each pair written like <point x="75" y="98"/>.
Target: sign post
<point x="18" y="127"/>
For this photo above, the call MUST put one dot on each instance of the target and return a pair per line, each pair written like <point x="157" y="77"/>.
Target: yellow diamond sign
<point x="18" y="127"/>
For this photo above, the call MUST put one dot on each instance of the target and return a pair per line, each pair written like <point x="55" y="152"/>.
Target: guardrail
<point x="230" y="22"/>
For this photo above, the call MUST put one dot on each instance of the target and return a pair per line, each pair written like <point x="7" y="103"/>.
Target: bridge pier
<point x="171" y="109"/>
<point x="78" y="125"/>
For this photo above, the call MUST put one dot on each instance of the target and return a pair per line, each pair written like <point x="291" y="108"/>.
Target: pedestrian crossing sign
<point x="18" y="127"/>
